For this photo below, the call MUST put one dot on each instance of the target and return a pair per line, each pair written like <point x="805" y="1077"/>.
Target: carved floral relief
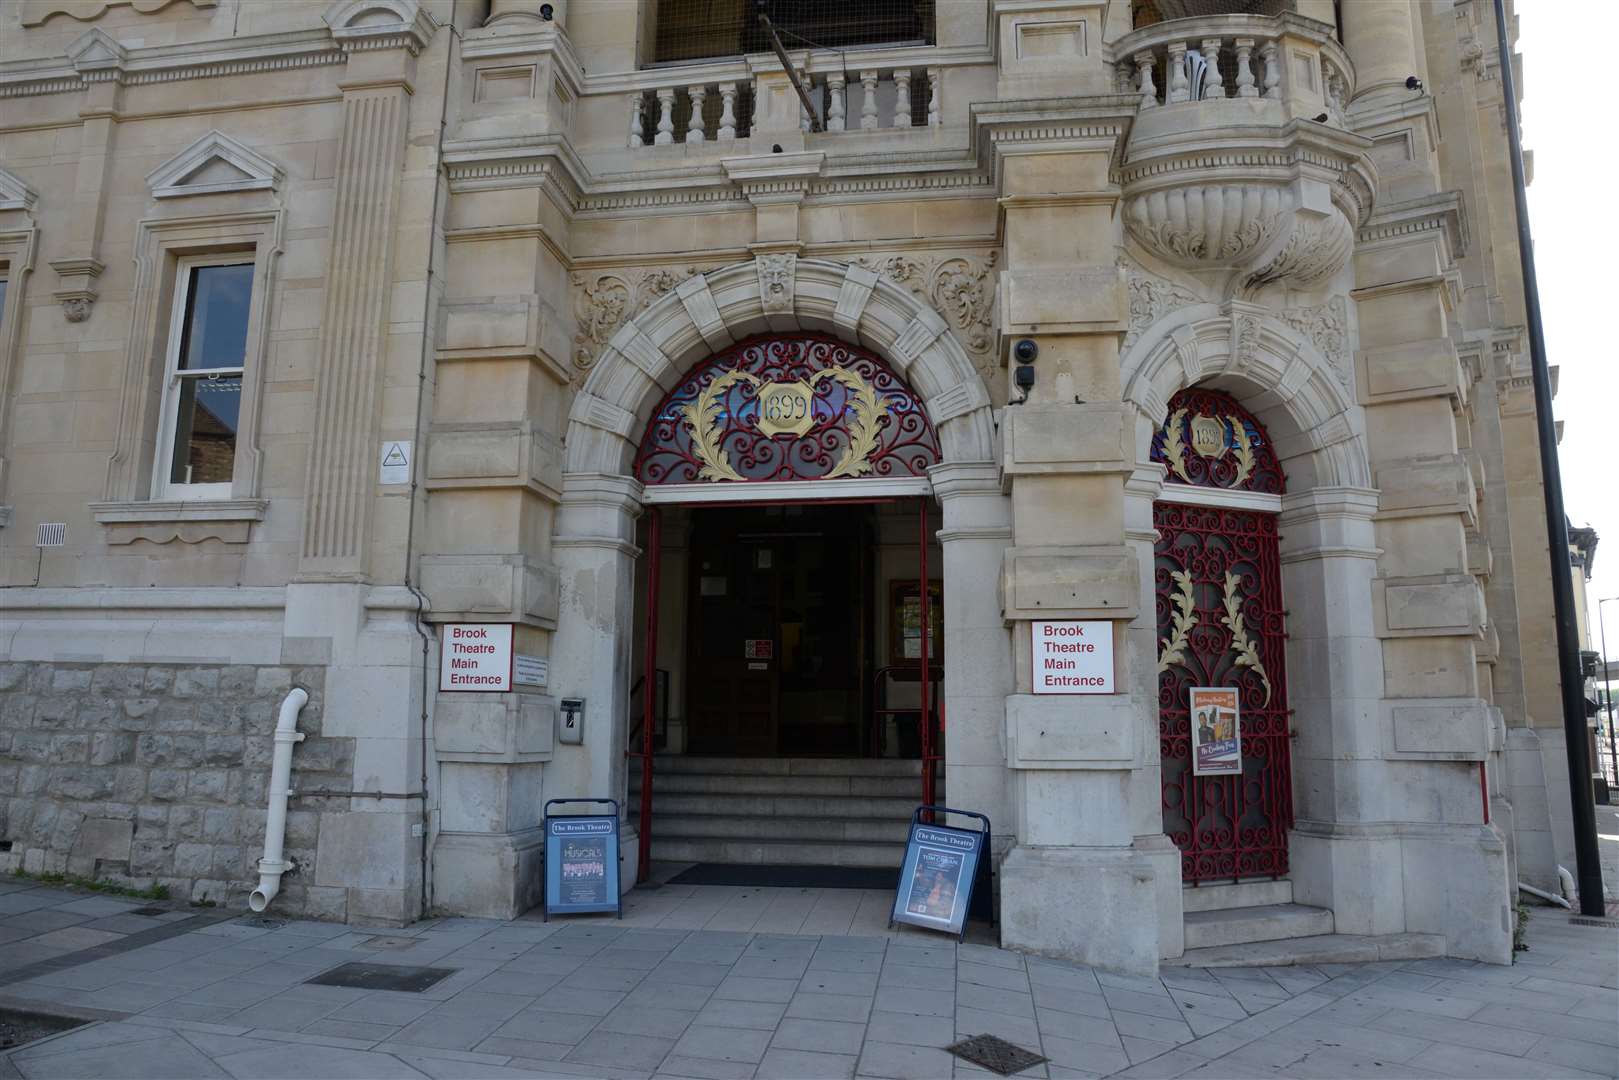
<point x="961" y="288"/>
<point x="604" y="300"/>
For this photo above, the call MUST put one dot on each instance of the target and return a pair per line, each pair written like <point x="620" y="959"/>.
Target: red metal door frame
<point x="650" y="659"/>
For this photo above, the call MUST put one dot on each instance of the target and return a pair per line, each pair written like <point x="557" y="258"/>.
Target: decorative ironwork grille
<point x="779" y="407"/>
<point x="1211" y="441"/>
<point x="1218" y="578"/>
<point x="701" y="29"/>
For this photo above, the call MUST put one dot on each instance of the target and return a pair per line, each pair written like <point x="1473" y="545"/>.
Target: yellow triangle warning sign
<point x="395" y="455"/>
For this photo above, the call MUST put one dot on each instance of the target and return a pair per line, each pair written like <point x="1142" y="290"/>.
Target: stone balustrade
<point x="692" y="105"/>
<point x="1290" y="60"/>
<point x="690" y="112"/>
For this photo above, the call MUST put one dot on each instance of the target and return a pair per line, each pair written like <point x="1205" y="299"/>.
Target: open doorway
<point x="779" y="630"/>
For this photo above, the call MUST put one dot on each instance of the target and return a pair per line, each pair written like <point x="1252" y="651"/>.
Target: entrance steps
<point x="1246" y="913"/>
<point x="1321" y="949"/>
<point x="781" y="811"/>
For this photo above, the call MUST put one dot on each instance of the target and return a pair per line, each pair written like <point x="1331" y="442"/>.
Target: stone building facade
<point x="1277" y="434"/>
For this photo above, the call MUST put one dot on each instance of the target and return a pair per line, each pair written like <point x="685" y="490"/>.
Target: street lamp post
<point x="1607" y="692"/>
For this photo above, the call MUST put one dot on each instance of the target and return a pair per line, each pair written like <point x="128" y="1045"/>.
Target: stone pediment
<point x="14" y="194"/>
<point x="214" y="163"/>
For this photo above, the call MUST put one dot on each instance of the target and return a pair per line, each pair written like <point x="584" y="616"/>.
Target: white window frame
<point x="162" y="486"/>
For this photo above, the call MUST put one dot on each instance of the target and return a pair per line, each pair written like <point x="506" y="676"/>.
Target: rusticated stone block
<point x="189" y="750"/>
<point x="81" y="784"/>
<point x="55" y="712"/>
<point x="12" y="676"/>
<point x="149" y="856"/>
<point x="118" y="680"/>
<point x="166" y="785"/>
<point x="69" y="681"/>
<point x="186" y="823"/>
<point x="193" y="860"/>
<point x="112" y="749"/>
<point x="159" y="680"/>
<point x="207" y="785"/>
<point x="196" y="682"/>
<point x="238" y="679"/>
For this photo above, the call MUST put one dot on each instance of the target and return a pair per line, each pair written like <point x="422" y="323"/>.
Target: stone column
<point x="1068" y="449"/>
<point x="976" y="531"/>
<point x="1435" y="729"/>
<point x="595" y="552"/>
<point x="99" y="59"/>
<point x="342" y="471"/>
<point x="525" y="13"/>
<point x="346" y="608"/>
<point x="1382" y="41"/>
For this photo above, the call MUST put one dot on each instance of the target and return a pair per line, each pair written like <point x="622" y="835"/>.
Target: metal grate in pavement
<point x="995" y="1054"/>
<point x="410" y="980"/>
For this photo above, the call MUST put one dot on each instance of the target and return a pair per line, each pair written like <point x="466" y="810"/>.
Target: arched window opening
<point x="1208" y="440"/>
<point x="788" y="407"/>
<point x="1217" y="576"/>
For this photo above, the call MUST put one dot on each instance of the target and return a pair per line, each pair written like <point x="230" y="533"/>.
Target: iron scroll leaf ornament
<point x="1209" y="440"/>
<point x="787" y="407"/>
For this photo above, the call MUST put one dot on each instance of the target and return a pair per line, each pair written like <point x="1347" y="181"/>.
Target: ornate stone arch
<point x="779" y="293"/>
<point x="1301" y="396"/>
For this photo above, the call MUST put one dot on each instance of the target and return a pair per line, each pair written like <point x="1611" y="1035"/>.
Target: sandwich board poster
<point x="581" y="864"/>
<point x="1216" y="734"/>
<point x="936" y="879"/>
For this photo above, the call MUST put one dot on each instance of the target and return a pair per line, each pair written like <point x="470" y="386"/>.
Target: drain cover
<point x="264" y="922"/>
<point x="148" y="911"/>
<point x="411" y="980"/>
<point x="995" y="1053"/>
<point x="383" y="941"/>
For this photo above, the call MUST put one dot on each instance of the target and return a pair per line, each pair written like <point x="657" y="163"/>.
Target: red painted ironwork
<point x="1223" y="469"/>
<point x="922" y="670"/>
<point x="1227" y="827"/>
<point x="904" y="445"/>
<point x="648" y="696"/>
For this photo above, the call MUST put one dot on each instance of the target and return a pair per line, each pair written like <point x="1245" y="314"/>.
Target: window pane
<point x="205" y="430"/>
<point x="216" y="317"/>
<point x="3" y="284"/>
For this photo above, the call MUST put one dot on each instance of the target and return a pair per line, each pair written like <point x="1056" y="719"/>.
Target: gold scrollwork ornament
<point x="1185" y="618"/>
<point x="1247" y="653"/>
<point x="797" y="399"/>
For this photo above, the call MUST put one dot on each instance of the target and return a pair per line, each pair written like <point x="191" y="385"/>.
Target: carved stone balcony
<point x="1239" y="164"/>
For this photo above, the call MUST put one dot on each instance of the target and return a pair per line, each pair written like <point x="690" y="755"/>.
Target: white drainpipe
<point x="272" y="866"/>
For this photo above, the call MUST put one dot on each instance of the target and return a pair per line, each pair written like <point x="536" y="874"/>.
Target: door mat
<point x="788" y="877"/>
<point x="410" y="980"/>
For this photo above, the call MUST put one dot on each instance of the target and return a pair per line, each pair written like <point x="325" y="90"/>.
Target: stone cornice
<point x="1443" y="211"/>
<point x="95" y="56"/>
<point x="170" y="63"/>
<point x="1001" y="128"/>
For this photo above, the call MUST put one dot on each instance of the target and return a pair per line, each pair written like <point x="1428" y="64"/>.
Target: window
<point x="702" y="29"/>
<point x="3" y="284"/>
<point x="202" y="385"/>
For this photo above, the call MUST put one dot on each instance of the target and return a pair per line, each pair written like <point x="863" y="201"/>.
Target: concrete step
<point x="1239" y="895"/>
<point x="776" y="852"/>
<point x="702" y="826"/>
<point x="777" y="766"/>
<point x="1240" y="926"/>
<point x="1322" y="949"/>
<point x="908" y="787"/>
<point x="761" y="806"/>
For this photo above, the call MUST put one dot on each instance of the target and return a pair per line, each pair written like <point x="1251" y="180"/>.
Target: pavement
<point x="721" y="982"/>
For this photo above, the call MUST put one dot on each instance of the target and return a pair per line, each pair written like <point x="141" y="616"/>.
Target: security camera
<point x="546" y="11"/>
<point x="1413" y="83"/>
<point x="1025" y="351"/>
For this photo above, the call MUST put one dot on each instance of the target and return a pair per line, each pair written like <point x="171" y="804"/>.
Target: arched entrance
<point x="1227" y="780"/>
<point x="781" y="461"/>
<point x="602" y="536"/>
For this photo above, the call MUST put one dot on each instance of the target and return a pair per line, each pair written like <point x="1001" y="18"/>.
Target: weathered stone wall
<point x="158" y="773"/>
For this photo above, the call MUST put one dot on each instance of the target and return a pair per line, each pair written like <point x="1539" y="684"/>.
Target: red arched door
<point x="1217" y="576"/>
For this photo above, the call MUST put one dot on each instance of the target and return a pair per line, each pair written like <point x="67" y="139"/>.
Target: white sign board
<point x="395" y="465"/>
<point x="1073" y="657"/>
<point x="530" y="670"/>
<point x="475" y="657"/>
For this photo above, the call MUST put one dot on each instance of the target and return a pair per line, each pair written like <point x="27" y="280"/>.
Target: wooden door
<point x="734" y="613"/>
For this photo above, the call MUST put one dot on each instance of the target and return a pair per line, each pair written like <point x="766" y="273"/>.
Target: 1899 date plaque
<point x="995" y="1053"/>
